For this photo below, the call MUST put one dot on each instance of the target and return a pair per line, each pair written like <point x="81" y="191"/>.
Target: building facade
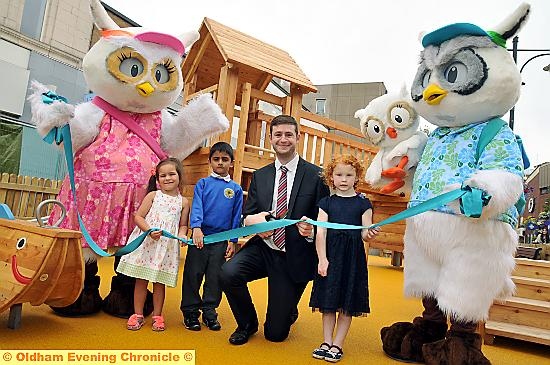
<point x="537" y="185"/>
<point x="43" y="40"/>
<point x="341" y="101"/>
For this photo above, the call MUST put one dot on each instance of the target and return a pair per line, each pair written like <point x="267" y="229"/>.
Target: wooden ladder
<point x="525" y="316"/>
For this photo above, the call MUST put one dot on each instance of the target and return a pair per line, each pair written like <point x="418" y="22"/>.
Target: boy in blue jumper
<point x="217" y="207"/>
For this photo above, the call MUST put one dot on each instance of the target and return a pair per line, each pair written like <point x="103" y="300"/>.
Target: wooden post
<point x="287" y="105"/>
<point x="198" y="59"/>
<point x="243" y="124"/>
<point x="230" y="98"/>
<point x="295" y="108"/>
<point x="189" y="88"/>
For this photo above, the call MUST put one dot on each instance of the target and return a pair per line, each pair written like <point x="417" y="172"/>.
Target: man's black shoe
<point x="241" y="336"/>
<point x="212" y="324"/>
<point x="192" y="323"/>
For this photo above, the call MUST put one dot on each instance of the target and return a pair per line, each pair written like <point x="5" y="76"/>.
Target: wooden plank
<point x="222" y="86"/>
<point x="231" y="96"/>
<point x="209" y="89"/>
<point x="21" y="187"/>
<point x="267" y="97"/>
<point x="263" y="83"/>
<point x="309" y="149"/>
<point x="198" y="58"/>
<point x="241" y="137"/>
<point x="537" y="269"/>
<point x="519" y="332"/>
<point x="254" y="161"/>
<point x="530" y="288"/>
<point x="518" y="315"/>
<point x="332" y="124"/>
<point x="23" y="206"/>
<point x="4" y="177"/>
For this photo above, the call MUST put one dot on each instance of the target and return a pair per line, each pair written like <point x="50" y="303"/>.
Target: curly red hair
<point x="350" y="160"/>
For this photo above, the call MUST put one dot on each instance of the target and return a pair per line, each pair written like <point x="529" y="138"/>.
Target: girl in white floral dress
<point x="157" y="259"/>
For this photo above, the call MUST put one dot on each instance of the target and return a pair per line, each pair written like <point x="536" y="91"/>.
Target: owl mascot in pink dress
<point x="136" y="72"/>
<point x="458" y="260"/>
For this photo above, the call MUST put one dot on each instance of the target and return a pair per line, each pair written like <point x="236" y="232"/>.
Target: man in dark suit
<point x="290" y="187"/>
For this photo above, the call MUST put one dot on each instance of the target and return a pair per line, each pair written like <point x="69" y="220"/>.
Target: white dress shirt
<point x="292" y="165"/>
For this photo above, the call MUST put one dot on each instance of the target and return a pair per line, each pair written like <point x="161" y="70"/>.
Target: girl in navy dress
<point x="341" y="284"/>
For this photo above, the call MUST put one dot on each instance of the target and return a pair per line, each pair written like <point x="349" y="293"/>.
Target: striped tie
<point x="281" y="209"/>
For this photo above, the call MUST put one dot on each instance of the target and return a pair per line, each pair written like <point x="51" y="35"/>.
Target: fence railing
<point x="22" y="194"/>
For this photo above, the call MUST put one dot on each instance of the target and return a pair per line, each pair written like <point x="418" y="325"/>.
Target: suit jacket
<point x="308" y="188"/>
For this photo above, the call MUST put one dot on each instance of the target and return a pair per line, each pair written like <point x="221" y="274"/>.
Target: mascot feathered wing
<point x="391" y="123"/>
<point x="138" y="73"/>
<point x="459" y="265"/>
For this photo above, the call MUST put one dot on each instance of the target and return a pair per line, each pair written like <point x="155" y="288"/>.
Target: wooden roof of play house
<point x="257" y="61"/>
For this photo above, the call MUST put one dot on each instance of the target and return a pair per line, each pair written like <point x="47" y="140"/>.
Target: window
<point x="320" y="106"/>
<point x="33" y="17"/>
<point x="544" y="190"/>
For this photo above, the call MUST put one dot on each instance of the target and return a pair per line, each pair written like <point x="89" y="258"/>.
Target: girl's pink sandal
<point x="158" y="323"/>
<point x="135" y="322"/>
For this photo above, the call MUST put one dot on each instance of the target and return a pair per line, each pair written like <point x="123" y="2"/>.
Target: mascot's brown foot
<point x="403" y="341"/>
<point x="89" y="301"/>
<point x="120" y="300"/>
<point x="459" y="348"/>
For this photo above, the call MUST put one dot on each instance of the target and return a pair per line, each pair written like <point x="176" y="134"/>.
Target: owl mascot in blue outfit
<point x="457" y="263"/>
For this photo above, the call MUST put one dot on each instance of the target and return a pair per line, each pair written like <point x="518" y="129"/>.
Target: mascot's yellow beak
<point x="145" y="89"/>
<point x="433" y="94"/>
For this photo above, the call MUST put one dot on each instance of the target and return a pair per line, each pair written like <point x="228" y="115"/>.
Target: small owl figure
<point x="391" y="123"/>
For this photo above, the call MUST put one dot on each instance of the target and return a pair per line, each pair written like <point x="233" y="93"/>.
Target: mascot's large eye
<point x="375" y="130"/>
<point x="400" y="117"/>
<point x="426" y="78"/>
<point x="456" y="72"/>
<point x="131" y="67"/>
<point x="161" y="74"/>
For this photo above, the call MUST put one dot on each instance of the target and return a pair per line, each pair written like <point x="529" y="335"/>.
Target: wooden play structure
<point x="525" y="316"/>
<point x="237" y="70"/>
<point x="38" y="266"/>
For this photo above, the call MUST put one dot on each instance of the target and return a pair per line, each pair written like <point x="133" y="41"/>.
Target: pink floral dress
<point x="111" y="176"/>
<point x="156" y="261"/>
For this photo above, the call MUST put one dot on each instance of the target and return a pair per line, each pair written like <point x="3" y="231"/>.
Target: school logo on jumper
<point x="229" y="193"/>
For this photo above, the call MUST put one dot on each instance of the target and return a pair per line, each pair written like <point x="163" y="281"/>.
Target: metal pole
<point x="515" y="57"/>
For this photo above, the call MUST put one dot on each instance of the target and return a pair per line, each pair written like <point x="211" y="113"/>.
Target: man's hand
<point x="369" y="234"/>
<point x="198" y="238"/>
<point x="230" y="249"/>
<point x="305" y="229"/>
<point x="155" y="235"/>
<point x="258" y="218"/>
<point x="322" y="268"/>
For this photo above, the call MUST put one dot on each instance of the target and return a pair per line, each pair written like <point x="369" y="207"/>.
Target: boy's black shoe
<point x="212" y="324"/>
<point x="192" y="323"/>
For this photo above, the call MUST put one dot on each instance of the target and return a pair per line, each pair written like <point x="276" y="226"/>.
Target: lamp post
<point x="515" y="50"/>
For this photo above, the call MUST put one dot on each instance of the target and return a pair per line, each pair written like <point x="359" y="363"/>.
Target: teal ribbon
<point x="472" y="201"/>
<point x="49" y="97"/>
